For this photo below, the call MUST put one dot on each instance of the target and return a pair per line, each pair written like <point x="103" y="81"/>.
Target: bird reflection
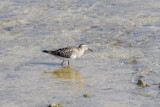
<point x="67" y="73"/>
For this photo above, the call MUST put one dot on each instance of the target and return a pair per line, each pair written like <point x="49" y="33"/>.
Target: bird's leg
<point x="62" y="63"/>
<point x="68" y="63"/>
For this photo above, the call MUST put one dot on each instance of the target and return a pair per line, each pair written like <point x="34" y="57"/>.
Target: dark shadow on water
<point x="45" y="63"/>
<point x="66" y="72"/>
<point x="17" y="68"/>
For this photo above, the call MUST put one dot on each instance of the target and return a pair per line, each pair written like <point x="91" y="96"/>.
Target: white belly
<point x="64" y="59"/>
<point x="73" y="56"/>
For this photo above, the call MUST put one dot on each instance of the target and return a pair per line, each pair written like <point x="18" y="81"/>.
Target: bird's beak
<point x="90" y="49"/>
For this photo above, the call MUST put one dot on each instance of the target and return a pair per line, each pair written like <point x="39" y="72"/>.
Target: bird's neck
<point x="81" y="51"/>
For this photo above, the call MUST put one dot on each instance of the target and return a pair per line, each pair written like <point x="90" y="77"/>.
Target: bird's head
<point x="84" y="47"/>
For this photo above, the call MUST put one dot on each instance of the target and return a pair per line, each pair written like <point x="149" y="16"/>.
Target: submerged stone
<point x="86" y="95"/>
<point x="141" y="83"/>
<point x="54" y="105"/>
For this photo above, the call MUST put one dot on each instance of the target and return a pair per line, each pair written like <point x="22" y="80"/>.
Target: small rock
<point x="54" y="105"/>
<point x="86" y="95"/>
<point x="141" y="83"/>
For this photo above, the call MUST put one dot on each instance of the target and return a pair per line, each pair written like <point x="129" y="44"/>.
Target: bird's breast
<point x="80" y="53"/>
<point x="73" y="56"/>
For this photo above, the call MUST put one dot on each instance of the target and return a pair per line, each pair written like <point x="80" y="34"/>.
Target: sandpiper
<point x="68" y="53"/>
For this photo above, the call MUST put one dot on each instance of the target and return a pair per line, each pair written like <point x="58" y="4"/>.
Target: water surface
<point x="123" y="34"/>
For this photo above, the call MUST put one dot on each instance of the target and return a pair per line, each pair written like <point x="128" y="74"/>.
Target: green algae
<point x="143" y="94"/>
<point x="67" y="73"/>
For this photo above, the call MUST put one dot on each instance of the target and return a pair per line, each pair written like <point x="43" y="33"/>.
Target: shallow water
<point x="123" y="34"/>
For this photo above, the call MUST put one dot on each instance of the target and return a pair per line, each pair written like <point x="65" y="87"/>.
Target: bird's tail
<point x="49" y="52"/>
<point x="45" y="51"/>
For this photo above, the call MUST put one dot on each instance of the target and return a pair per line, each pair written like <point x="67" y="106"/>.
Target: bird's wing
<point x="63" y="52"/>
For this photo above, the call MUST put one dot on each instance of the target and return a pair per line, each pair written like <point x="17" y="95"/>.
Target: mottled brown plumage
<point x="64" y="52"/>
<point x="68" y="53"/>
